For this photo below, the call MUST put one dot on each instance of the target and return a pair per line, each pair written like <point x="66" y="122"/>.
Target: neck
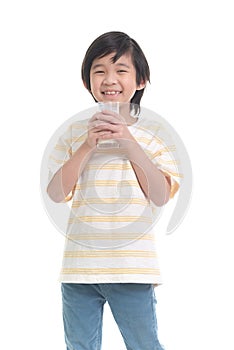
<point x="125" y="112"/>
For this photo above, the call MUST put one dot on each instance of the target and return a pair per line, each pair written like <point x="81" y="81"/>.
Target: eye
<point x="99" y="72"/>
<point x="122" y="71"/>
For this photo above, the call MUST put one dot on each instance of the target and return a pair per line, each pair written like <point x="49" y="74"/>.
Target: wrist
<point x="132" y="148"/>
<point x="87" y="147"/>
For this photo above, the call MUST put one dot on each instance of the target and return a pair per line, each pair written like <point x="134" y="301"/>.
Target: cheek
<point x="96" y="80"/>
<point x="94" y="85"/>
<point x="130" y="82"/>
<point x="131" y="86"/>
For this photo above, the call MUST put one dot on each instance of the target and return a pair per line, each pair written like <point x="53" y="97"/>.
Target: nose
<point x="110" y="78"/>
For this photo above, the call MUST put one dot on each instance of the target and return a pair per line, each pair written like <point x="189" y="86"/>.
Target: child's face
<point x="112" y="82"/>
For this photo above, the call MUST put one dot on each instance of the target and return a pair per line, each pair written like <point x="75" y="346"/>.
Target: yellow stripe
<point x="109" y="167"/>
<point x="156" y="138"/>
<point x="79" y="138"/>
<point x="148" y="141"/>
<point x="150" y="128"/>
<point x="117" y="236"/>
<point x="174" y="189"/>
<point x="164" y="150"/>
<point x="168" y="172"/>
<point x="58" y="161"/>
<point x="77" y="204"/>
<point x="106" y="271"/>
<point x="76" y="139"/>
<point x="110" y="254"/>
<point x="107" y="183"/>
<point x="62" y="148"/>
<point x="143" y="140"/>
<point x="171" y="162"/>
<point x="110" y="219"/>
<point x="79" y="126"/>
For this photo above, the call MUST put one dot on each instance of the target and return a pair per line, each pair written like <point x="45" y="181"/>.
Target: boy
<point x="110" y="254"/>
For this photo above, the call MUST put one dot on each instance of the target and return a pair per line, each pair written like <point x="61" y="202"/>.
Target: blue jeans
<point x="133" y="308"/>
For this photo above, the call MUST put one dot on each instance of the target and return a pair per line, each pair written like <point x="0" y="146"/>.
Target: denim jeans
<point x="133" y="308"/>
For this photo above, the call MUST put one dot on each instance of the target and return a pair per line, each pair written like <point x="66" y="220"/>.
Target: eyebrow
<point x="123" y="65"/>
<point x="98" y="65"/>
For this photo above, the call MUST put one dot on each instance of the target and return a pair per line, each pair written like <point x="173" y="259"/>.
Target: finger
<point x="101" y="115"/>
<point x="112" y="135"/>
<point x="104" y="133"/>
<point x="111" y="117"/>
<point x="110" y="127"/>
<point x="105" y="128"/>
<point x="96" y="116"/>
<point x="99" y="126"/>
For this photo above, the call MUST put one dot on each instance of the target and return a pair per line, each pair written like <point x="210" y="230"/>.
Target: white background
<point x="189" y="46"/>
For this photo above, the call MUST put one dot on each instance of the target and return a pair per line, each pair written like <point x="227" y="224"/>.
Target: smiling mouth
<point x="111" y="93"/>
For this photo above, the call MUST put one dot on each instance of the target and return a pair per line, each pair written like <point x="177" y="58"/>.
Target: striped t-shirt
<point x="111" y="230"/>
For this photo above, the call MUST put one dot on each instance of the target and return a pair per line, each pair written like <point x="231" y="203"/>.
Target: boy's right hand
<point x="97" y="128"/>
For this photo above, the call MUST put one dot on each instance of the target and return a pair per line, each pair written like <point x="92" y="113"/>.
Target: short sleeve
<point x="164" y="156"/>
<point x="60" y="154"/>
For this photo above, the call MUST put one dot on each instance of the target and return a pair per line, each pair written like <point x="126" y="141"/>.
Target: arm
<point x="66" y="177"/>
<point x="153" y="182"/>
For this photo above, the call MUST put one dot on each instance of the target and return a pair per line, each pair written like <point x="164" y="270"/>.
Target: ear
<point x="141" y="86"/>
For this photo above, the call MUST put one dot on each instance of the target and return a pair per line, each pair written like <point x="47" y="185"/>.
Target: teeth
<point x="111" y="92"/>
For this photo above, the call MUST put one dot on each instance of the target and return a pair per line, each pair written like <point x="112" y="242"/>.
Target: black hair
<point x="120" y="44"/>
